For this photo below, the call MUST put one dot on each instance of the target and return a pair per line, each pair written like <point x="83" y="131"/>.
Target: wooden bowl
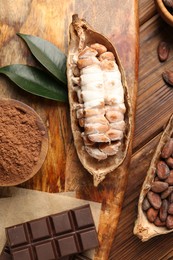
<point x="164" y="13"/>
<point x="31" y="147"/>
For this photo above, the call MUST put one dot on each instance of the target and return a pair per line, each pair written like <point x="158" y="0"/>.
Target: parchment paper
<point x="21" y="205"/>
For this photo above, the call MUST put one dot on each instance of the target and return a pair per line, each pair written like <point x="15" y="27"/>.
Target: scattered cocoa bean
<point x="167" y="192"/>
<point x="168" y="77"/>
<point x="159" y="186"/>
<point x="169" y="162"/>
<point x="169" y="180"/>
<point x="170" y="209"/>
<point x="159" y="223"/>
<point x="154" y="199"/>
<point x="152" y="214"/>
<point x="162" y="170"/>
<point x="167" y="149"/>
<point x="169" y="222"/>
<point x="163" y="210"/>
<point x="168" y="3"/>
<point x="163" y="51"/>
<point x="146" y="204"/>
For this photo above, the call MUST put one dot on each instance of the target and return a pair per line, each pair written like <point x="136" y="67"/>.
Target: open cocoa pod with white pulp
<point x="155" y="207"/>
<point x="99" y="100"/>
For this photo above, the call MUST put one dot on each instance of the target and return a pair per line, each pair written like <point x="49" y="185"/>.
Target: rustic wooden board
<point x="154" y="107"/>
<point x="50" y="20"/>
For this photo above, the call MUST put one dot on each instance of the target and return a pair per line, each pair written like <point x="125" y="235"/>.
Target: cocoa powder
<point x="20" y="143"/>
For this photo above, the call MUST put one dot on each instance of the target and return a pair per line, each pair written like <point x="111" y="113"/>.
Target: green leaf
<point x="35" y="81"/>
<point x="52" y="58"/>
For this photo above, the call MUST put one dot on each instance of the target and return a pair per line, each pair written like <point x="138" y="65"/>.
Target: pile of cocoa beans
<point x="158" y="203"/>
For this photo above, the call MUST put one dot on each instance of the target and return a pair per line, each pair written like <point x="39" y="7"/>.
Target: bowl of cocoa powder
<point x="23" y="142"/>
<point x="165" y="9"/>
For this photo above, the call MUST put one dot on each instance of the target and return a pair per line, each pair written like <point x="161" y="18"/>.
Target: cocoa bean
<point x="168" y="77"/>
<point x="167" y="192"/>
<point x="163" y="210"/>
<point x="163" y="51"/>
<point x="169" y="180"/>
<point x="146" y="204"/>
<point x="152" y="214"/>
<point x="159" y="186"/>
<point x="171" y="198"/>
<point x="167" y="149"/>
<point x="170" y="209"/>
<point x="162" y="170"/>
<point x="169" y="162"/>
<point x="159" y="223"/>
<point x="169" y="222"/>
<point x="154" y="199"/>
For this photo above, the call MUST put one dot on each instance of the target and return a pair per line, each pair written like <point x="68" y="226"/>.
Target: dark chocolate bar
<point x="5" y="254"/>
<point x="53" y="237"/>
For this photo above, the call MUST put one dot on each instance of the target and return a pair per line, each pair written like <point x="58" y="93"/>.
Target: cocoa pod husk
<point x="81" y="35"/>
<point x="144" y="229"/>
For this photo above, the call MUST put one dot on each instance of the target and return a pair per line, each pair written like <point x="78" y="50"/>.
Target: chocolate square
<point x="67" y="245"/>
<point x="24" y="254"/>
<point x="39" y="229"/>
<point x="83" y="217"/>
<point x="88" y="239"/>
<point x="61" y="223"/>
<point x="16" y="235"/>
<point x="45" y="251"/>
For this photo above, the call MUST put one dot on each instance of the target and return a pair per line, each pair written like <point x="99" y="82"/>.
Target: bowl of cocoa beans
<point x="165" y="9"/>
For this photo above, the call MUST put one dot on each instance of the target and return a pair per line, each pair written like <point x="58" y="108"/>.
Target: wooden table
<point x="154" y="107"/>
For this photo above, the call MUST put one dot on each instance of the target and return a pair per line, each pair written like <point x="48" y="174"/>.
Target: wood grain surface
<point x="50" y="20"/>
<point x="154" y="107"/>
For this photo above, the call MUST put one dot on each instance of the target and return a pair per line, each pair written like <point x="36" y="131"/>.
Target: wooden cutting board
<point x="50" y="19"/>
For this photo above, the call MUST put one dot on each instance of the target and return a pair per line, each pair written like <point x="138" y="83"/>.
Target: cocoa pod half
<point x="143" y="228"/>
<point x="82" y="35"/>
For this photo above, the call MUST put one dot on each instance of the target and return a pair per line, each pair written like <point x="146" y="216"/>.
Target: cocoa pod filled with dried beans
<point x="155" y="206"/>
<point x="100" y="108"/>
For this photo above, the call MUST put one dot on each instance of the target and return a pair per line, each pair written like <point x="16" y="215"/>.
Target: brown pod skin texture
<point x="143" y="228"/>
